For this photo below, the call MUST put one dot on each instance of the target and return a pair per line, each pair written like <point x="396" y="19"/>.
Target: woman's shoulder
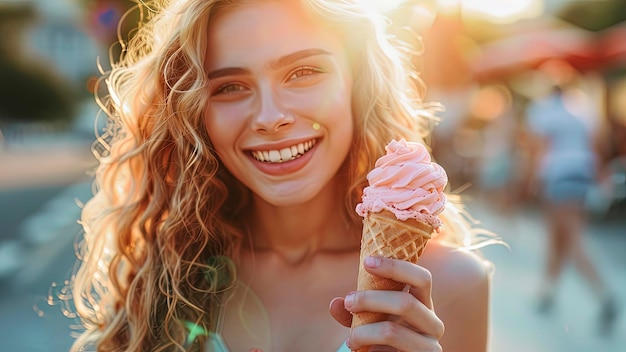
<point x="460" y="291"/>
<point x="455" y="270"/>
<point x="454" y="262"/>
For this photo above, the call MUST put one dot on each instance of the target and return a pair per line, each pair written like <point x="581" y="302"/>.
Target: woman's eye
<point x="303" y="71"/>
<point x="229" y="89"/>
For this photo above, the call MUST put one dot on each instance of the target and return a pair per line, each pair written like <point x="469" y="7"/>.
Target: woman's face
<point x="280" y="114"/>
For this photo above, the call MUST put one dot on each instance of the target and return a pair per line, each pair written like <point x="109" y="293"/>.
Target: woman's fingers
<point x="402" y="271"/>
<point x="391" y="334"/>
<point x="338" y="311"/>
<point x="402" y="305"/>
<point x="413" y="325"/>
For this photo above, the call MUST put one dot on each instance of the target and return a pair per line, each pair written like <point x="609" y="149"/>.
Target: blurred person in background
<point x="564" y="136"/>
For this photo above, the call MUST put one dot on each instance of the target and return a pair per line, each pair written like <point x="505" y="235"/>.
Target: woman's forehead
<point x="266" y="29"/>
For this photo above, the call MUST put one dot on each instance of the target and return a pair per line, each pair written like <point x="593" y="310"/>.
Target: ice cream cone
<point x="400" y="208"/>
<point x="386" y="236"/>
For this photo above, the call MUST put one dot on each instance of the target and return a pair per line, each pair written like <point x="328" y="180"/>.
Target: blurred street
<point x="42" y="181"/>
<point x="39" y="228"/>
<point x="572" y="326"/>
<point x="486" y="64"/>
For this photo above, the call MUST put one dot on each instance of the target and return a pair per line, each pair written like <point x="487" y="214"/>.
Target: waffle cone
<point x="386" y="236"/>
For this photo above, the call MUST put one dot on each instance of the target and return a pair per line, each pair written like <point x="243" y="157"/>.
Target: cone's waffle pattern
<point x="386" y="236"/>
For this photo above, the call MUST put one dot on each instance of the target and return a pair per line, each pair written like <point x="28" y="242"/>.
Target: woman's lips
<point x="295" y="158"/>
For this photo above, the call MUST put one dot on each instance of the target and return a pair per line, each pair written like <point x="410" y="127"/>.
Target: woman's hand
<point x="413" y="324"/>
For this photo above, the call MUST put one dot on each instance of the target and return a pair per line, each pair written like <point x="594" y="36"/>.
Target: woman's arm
<point x="461" y="290"/>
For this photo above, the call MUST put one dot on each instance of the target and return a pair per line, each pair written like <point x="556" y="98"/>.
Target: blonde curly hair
<point x="165" y="211"/>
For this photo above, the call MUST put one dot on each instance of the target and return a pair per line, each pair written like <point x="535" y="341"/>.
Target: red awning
<point x="529" y="48"/>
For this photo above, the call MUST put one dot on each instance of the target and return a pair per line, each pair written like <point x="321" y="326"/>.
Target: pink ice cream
<point x="407" y="183"/>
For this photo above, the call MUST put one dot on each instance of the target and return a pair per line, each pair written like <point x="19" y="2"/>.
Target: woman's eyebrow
<point x="228" y="71"/>
<point x="298" y="55"/>
<point x="274" y="64"/>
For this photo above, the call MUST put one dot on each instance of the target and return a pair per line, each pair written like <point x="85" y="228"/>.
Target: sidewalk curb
<point x="54" y="164"/>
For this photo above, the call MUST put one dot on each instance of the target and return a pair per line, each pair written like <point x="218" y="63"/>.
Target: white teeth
<point x="285" y="154"/>
<point x="274" y="156"/>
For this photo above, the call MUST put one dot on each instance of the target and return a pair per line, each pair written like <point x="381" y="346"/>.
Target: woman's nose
<point x="271" y="117"/>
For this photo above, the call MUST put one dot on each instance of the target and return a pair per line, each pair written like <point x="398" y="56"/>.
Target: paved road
<point x="572" y="326"/>
<point x="18" y="204"/>
<point x="32" y="309"/>
<point x="40" y="184"/>
<point x="34" y="202"/>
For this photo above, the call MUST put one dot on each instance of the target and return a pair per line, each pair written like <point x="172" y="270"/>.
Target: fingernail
<point x="347" y="302"/>
<point x="372" y="262"/>
<point x="348" y="343"/>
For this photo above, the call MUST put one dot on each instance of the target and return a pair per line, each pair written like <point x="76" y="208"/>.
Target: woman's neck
<point x="296" y="233"/>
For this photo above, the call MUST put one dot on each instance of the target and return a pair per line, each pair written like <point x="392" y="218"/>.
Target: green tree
<point x="594" y="15"/>
<point x="30" y="93"/>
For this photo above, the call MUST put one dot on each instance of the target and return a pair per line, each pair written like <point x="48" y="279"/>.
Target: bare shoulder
<point x="460" y="291"/>
<point x="455" y="271"/>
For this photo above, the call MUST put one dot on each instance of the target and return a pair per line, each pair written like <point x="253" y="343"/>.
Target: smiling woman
<point x="236" y="156"/>
<point x="283" y="87"/>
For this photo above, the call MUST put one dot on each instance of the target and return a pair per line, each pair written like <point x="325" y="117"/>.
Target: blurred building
<point x="47" y="57"/>
<point x="481" y="61"/>
<point x="59" y="37"/>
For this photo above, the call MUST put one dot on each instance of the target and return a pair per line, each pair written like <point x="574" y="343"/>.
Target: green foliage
<point x="34" y="93"/>
<point x="594" y="15"/>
